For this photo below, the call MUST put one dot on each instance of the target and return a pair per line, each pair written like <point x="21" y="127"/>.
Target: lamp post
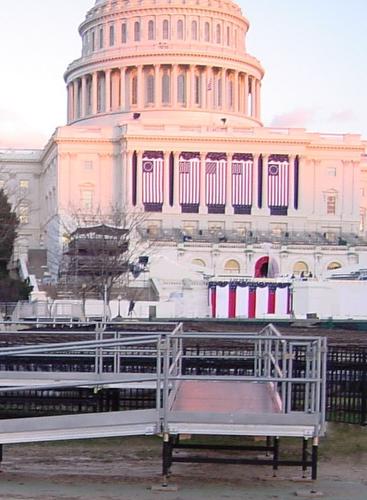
<point x="119" y="298"/>
<point x="84" y="287"/>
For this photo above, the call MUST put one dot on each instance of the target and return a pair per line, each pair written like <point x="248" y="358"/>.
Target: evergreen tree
<point x="10" y="289"/>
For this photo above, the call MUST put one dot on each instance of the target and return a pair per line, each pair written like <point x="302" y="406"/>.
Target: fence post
<point x="364" y="390"/>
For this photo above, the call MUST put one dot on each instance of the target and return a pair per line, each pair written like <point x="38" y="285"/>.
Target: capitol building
<point x="164" y="119"/>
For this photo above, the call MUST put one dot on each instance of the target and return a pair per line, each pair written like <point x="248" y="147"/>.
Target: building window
<point x="333" y="265"/>
<point x="331" y="205"/>
<point x="300" y="269"/>
<point x="218" y="34"/>
<point x="232" y="267"/>
<point x="24" y="185"/>
<point x="123" y="33"/>
<point x="219" y="92"/>
<point x="198" y="262"/>
<point x="180" y="29"/>
<point x="230" y="93"/>
<point x="24" y="214"/>
<point x="165" y="30"/>
<point x="194" y="30"/>
<point x="228" y="36"/>
<point x="331" y="171"/>
<point x="150" y="89"/>
<point x="166" y="87"/>
<point x="88" y="165"/>
<point x="101" y="38"/>
<point x="181" y="89"/>
<point x="134" y="90"/>
<point x="197" y="89"/>
<point x="87" y="196"/>
<point x="207" y="32"/>
<point x="137" y="31"/>
<point x="93" y="41"/>
<point x="151" y="30"/>
<point x="112" y="36"/>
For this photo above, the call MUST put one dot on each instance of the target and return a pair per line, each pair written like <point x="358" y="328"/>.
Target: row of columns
<point x="257" y="208"/>
<point x="246" y="90"/>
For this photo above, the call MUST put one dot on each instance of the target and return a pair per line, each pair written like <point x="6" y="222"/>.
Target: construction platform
<point x="260" y="402"/>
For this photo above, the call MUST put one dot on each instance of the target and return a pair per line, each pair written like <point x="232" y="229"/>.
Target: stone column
<point x="258" y="99"/>
<point x="291" y="185"/>
<point x="76" y="100"/>
<point x="84" y="96"/>
<point x="245" y="83"/>
<point x="204" y="89"/>
<point x="174" y="85"/>
<point x="223" y="77"/>
<point x="255" y="184"/>
<point x="229" y="206"/>
<point x="70" y="102"/>
<point x="166" y="183"/>
<point x="94" y="92"/>
<point x="210" y="88"/>
<point x="188" y="87"/>
<point x="235" y="100"/>
<point x="141" y="87"/>
<point x="265" y="183"/>
<point x="202" y="206"/>
<point x="108" y="90"/>
<point x="123" y="89"/>
<point x="157" y="86"/>
<point x="176" y="184"/>
<point x="127" y="176"/>
<point x="139" y="180"/>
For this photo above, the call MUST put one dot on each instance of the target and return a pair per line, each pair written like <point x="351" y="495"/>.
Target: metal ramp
<point x="258" y="402"/>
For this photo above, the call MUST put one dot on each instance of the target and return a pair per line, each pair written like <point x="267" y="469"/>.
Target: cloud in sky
<point x="347" y="115"/>
<point x="295" y="118"/>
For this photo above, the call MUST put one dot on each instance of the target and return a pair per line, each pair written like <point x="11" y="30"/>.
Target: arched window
<point x="300" y="268"/>
<point x="137" y="31"/>
<point x="134" y="90"/>
<point x="180" y="29"/>
<point x="198" y="262"/>
<point x="151" y="30"/>
<point x="194" y="30"/>
<point x="232" y="267"/>
<point x="207" y="32"/>
<point x="228" y="36"/>
<point x="165" y="30"/>
<point x="150" y="89"/>
<point x="101" y="92"/>
<point x="166" y="88"/>
<point x="123" y="33"/>
<point x="333" y="265"/>
<point x="218" y="34"/>
<point x="101" y="38"/>
<point x="93" y="41"/>
<point x="112" y="35"/>
<point x="181" y="89"/>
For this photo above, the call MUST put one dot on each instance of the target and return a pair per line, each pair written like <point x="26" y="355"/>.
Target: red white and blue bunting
<point x="249" y="299"/>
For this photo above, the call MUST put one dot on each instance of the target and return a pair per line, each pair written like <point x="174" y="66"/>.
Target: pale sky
<point x="313" y="52"/>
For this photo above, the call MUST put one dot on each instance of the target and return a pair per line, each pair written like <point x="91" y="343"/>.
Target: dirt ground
<point x="128" y="468"/>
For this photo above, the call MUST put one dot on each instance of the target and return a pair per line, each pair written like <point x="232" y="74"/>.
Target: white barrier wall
<point x="330" y="299"/>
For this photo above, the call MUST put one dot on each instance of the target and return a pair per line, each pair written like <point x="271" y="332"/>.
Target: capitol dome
<point x="180" y="60"/>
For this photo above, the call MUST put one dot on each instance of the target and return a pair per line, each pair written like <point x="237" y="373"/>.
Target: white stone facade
<point x="165" y="92"/>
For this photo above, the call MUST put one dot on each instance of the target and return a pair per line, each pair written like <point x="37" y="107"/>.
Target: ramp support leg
<point x="166" y="456"/>
<point x="315" y="448"/>
<point x="275" y="456"/>
<point x="304" y="457"/>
